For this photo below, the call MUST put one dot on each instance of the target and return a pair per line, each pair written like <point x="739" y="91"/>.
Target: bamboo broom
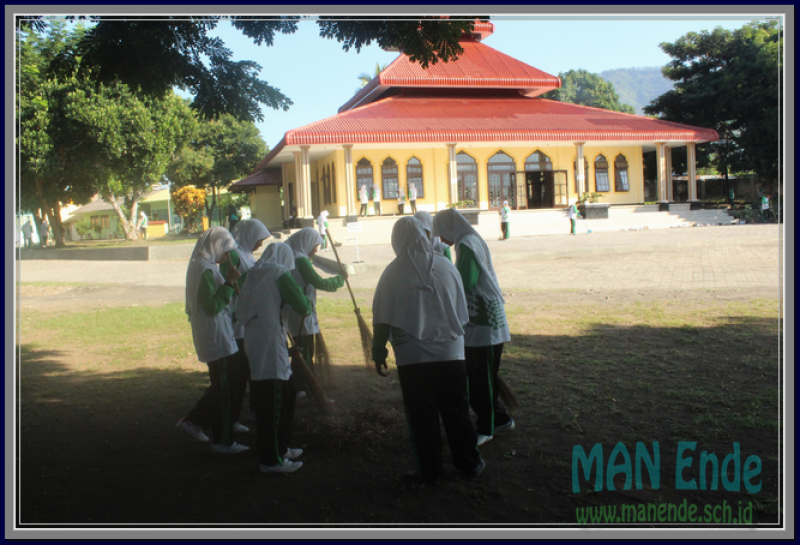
<point x="323" y="357"/>
<point x="311" y="381"/>
<point x="506" y="394"/>
<point x="363" y="329"/>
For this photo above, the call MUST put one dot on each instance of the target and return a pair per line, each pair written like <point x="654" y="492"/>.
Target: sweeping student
<point x="304" y="244"/>
<point x="322" y="222"/>
<point x="419" y="304"/>
<point x="573" y="214"/>
<point x="249" y="236"/>
<point x="267" y="295"/>
<point x="487" y="329"/>
<point x="426" y="220"/>
<point x="362" y="193"/>
<point x="207" y="296"/>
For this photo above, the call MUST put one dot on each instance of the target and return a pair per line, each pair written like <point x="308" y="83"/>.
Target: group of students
<point x="446" y="324"/>
<point x="363" y="194"/>
<point x="241" y="313"/>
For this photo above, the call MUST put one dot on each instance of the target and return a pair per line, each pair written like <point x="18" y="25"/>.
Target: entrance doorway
<point x="546" y="189"/>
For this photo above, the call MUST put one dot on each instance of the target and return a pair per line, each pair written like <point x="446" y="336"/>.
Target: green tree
<point x="364" y="77"/>
<point x="188" y="202"/>
<point x="729" y="81"/>
<point x="587" y="89"/>
<point x="223" y="151"/>
<point x="158" y="55"/>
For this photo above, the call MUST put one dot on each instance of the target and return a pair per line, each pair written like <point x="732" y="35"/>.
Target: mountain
<point x="637" y="86"/>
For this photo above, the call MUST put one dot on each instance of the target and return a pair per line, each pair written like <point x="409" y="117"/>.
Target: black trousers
<point x="483" y="363"/>
<point x="400" y="208"/>
<point x="244" y="379"/>
<point x="377" y="206"/>
<point x="363" y="210"/>
<point x="413" y="206"/>
<point x="431" y="390"/>
<point x="274" y="404"/>
<point x="220" y="405"/>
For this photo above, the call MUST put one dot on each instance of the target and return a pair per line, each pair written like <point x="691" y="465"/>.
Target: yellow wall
<point x="434" y="161"/>
<point x="265" y="205"/>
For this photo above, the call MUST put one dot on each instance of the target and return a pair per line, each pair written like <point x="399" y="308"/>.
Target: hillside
<point x="637" y="86"/>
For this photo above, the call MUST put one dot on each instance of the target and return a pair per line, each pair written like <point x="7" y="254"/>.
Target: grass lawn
<point x="103" y="390"/>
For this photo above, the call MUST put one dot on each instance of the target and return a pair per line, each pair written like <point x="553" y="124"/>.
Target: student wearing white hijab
<point x="364" y="197"/>
<point x="267" y="295"/>
<point x="487" y="329"/>
<point x="322" y="222"/>
<point x="419" y="304"/>
<point x="426" y="220"/>
<point x="305" y="244"/>
<point x="249" y="235"/>
<point x="207" y="296"/>
<point x="376" y="199"/>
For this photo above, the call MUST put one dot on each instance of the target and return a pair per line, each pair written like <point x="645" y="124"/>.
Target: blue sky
<point x="319" y="76"/>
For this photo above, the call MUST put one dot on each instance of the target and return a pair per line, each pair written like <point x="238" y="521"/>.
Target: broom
<point x="363" y="329"/>
<point x="506" y="394"/>
<point x="311" y="381"/>
<point x="323" y="358"/>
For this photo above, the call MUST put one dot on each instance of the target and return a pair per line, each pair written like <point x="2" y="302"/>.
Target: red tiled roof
<point x="479" y="67"/>
<point x="270" y="176"/>
<point x="486" y="116"/>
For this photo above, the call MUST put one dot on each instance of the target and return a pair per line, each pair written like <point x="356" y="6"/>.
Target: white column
<point x="668" y="157"/>
<point x="581" y="174"/>
<point x="691" y="167"/>
<point x="299" y="187"/>
<point x="661" y="168"/>
<point x="348" y="178"/>
<point x="285" y="181"/>
<point x="452" y="172"/>
<point x="306" y="182"/>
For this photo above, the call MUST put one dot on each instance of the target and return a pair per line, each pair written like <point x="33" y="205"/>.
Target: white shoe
<point x="293" y="453"/>
<point x="235" y="448"/>
<point x="508" y="426"/>
<point x="301" y="394"/>
<point x="287" y="467"/>
<point x="238" y="427"/>
<point x="192" y="430"/>
<point x="484" y="439"/>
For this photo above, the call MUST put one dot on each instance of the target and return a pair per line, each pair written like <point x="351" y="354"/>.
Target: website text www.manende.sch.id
<point x="666" y="512"/>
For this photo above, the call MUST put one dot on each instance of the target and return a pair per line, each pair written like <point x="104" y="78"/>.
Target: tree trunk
<point x="134" y="219"/>
<point x="126" y="226"/>
<point x="54" y="212"/>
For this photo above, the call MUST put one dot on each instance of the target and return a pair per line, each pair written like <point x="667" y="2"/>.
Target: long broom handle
<point x="346" y="279"/>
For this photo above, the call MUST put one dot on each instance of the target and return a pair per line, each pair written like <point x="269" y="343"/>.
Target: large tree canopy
<point x="730" y="81"/>
<point x="157" y="55"/>
<point x="587" y="89"/>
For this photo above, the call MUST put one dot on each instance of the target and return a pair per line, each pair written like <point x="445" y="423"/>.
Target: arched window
<point x="364" y="176"/>
<point x="621" y="174"/>
<point x="389" y="180"/>
<point x="538" y="161"/>
<point x="585" y="176"/>
<point x="467" y="175"/>
<point x="414" y="176"/>
<point x="601" y="174"/>
<point x="333" y="182"/>
<point x="501" y="173"/>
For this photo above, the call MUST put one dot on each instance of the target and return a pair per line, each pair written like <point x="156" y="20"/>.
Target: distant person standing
<point x="505" y="213"/>
<point x="322" y="222"/>
<point x="233" y="217"/>
<point x="412" y="197"/>
<point x="401" y="202"/>
<point x="376" y="200"/>
<point x="573" y="214"/>
<point x="142" y="225"/>
<point x="765" y="207"/>
<point x="27" y="233"/>
<point x="44" y="232"/>
<point x="731" y="196"/>
<point x="362" y="193"/>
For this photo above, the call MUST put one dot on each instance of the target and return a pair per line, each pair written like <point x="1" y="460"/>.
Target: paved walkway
<point x="712" y="258"/>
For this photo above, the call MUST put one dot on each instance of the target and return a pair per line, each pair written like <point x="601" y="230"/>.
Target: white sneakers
<point x="508" y="426"/>
<point x="293" y="453"/>
<point x="235" y="448"/>
<point x="238" y="427"/>
<point x="287" y="467"/>
<point x="484" y="439"/>
<point x="192" y="430"/>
